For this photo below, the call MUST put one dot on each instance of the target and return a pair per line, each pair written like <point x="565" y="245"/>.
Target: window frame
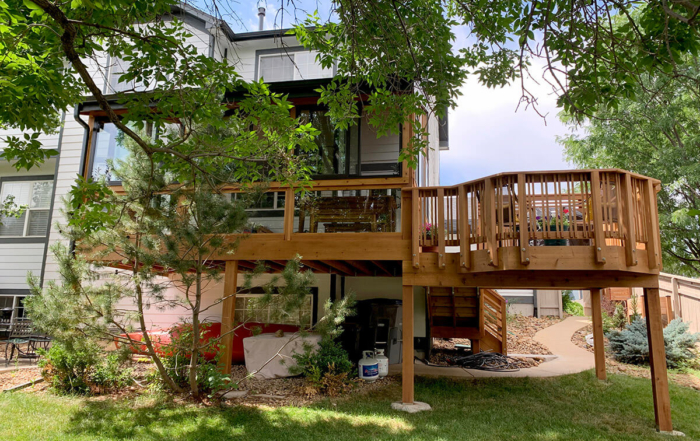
<point x="90" y="166"/>
<point x="17" y="306"/>
<point x="258" y="291"/>
<point x="31" y="179"/>
<point x="346" y="174"/>
<point x="288" y="51"/>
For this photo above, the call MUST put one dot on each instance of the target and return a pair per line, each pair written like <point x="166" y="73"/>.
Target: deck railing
<point x="597" y="208"/>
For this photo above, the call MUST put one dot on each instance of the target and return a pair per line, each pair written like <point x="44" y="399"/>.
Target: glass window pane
<point x="38" y="223"/>
<point x="276" y="68"/>
<point x="108" y="148"/>
<point x="13" y="226"/>
<point x="41" y="194"/>
<point x="21" y="191"/>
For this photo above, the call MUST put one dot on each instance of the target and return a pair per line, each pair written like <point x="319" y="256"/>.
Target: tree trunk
<point x="149" y="345"/>
<point x="194" y="387"/>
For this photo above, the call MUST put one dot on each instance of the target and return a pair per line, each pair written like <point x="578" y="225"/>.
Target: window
<point x="36" y="196"/>
<point x="11" y="307"/>
<point x="288" y="66"/>
<point x="109" y="148"/>
<point x="338" y="150"/>
<point x="271" y="313"/>
<point x="265" y="201"/>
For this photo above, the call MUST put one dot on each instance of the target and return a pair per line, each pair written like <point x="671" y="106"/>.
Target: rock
<point x="235" y="394"/>
<point x="270" y="396"/>
<point x="414" y="407"/>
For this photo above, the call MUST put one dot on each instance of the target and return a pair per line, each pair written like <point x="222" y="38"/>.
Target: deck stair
<point x="472" y="313"/>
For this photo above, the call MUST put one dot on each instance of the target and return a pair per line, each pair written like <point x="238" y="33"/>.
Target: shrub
<point x="326" y="370"/>
<point x="569" y="305"/>
<point x="83" y="369"/>
<point x="631" y="345"/>
<point x="176" y="360"/>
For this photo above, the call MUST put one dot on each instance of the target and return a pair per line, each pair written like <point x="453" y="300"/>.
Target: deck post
<point x="408" y="353"/>
<point x="598" y="338"/>
<point x="228" y="313"/>
<point x="657" y="360"/>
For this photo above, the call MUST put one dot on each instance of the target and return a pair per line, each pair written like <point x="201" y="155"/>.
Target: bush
<point x="83" y="369"/>
<point x="176" y="360"/>
<point x="570" y="306"/>
<point x="631" y="345"/>
<point x="327" y="370"/>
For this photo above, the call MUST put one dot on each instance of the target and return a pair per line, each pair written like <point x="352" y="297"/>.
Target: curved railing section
<point x="594" y="208"/>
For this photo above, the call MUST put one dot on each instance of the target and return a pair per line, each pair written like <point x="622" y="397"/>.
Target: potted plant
<point x="551" y="224"/>
<point x="428" y="235"/>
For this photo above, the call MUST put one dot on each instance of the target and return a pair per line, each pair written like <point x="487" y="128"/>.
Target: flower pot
<point x="557" y="242"/>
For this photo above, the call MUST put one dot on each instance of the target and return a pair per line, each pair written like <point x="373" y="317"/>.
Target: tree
<point x="656" y="134"/>
<point x="594" y="54"/>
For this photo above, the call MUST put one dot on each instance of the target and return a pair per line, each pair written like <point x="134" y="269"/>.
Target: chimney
<point x="261" y="16"/>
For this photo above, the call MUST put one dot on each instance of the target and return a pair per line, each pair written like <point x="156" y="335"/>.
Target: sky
<point x="487" y="135"/>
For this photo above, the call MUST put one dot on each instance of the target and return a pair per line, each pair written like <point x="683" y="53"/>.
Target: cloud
<point x="488" y="135"/>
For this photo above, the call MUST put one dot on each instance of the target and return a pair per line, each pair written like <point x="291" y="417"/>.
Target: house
<point x="382" y="229"/>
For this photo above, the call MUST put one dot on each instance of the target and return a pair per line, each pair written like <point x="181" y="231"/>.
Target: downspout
<point x="83" y="153"/>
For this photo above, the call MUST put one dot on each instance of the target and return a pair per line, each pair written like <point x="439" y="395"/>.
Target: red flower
<point x="566" y="210"/>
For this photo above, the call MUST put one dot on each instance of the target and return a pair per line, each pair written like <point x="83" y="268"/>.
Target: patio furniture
<point x="21" y="341"/>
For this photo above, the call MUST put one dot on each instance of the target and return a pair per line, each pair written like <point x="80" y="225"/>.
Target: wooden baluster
<point x="597" y="209"/>
<point x="288" y="213"/>
<point x="464" y="233"/>
<point x="652" y="217"/>
<point x="441" y="226"/>
<point x="417" y="227"/>
<point x="628" y="221"/>
<point x="482" y="313"/>
<point x="523" y="221"/>
<point x="490" y="222"/>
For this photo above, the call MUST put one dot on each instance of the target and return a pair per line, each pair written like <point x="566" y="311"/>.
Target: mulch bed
<point x="10" y="379"/>
<point x="279" y="392"/>
<point x="615" y="367"/>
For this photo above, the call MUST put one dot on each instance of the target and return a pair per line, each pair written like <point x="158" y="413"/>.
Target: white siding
<point x="16" y="260"/>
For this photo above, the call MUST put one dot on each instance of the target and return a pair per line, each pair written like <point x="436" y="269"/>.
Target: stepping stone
<point x="274" y="397"/>
<point x="414" y="407"/>
<point x="235" y="394"/>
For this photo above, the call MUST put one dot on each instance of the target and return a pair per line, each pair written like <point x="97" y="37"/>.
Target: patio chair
<point x="21" y="341"/>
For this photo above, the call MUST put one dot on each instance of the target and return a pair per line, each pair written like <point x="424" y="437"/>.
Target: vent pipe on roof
<point x="261" y="16"/>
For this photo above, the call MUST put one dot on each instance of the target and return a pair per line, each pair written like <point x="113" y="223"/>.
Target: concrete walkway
<point x="570" y="359"/>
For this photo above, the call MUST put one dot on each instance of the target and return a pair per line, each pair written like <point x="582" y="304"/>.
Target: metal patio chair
<point x="21" y="341"/>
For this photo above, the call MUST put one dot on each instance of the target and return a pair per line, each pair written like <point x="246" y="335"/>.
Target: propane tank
<point x="368" y="366"/>
<point x="382" y="362"/>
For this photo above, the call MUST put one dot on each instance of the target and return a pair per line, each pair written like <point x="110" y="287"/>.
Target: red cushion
<point x="162" y="337"/>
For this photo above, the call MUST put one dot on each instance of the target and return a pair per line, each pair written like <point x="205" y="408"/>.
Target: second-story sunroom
<point x="357" y="175"/>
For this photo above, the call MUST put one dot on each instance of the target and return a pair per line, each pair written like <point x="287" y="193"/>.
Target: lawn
<point x="574" y="407"/>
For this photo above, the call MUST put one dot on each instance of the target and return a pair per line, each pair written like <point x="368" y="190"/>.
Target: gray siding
<point x="16" y="260"/>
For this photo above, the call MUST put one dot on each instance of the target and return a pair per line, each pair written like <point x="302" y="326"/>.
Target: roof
<point x="209" y="20"/>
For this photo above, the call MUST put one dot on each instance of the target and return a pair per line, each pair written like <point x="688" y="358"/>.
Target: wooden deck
<point x="583" y="229"/>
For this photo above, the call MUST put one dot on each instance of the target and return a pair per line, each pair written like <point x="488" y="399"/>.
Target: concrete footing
<point x="414" y="407"/>
<point x="672" y="433"/>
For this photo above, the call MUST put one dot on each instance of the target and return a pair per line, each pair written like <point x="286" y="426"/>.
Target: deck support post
<point x="598" y="337"/>
<point x="657" y="360"/>
<point x="228" y="313"/>
<point x="407" y="373"/>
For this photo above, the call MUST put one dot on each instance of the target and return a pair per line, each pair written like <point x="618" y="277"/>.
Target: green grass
<point x="574" y="407"/>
